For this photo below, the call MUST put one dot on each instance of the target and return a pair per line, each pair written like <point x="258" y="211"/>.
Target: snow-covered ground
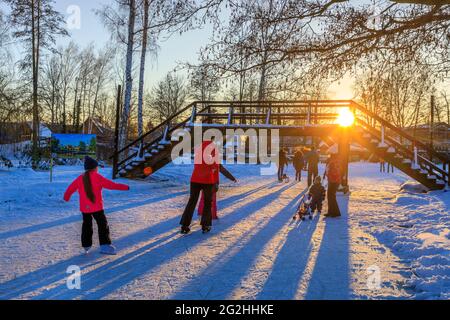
<point x="255" y="250"/>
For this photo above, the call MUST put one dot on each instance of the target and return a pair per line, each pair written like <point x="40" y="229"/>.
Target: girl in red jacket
<point x="89" y="186"/>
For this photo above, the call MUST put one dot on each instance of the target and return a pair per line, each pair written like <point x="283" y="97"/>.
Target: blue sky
<point x="176" y="49"/>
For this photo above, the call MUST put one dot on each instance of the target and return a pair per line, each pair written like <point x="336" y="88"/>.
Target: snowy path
<point x="254" y="252"/>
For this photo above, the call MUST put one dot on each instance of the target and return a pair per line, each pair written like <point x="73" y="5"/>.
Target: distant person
<point x="282" y="162"/>
<point x="299" y="164"/>
<point x="333" y="174"/>
<point x="317" y="195"/>
<point x="313" y="158"/>
<point x="382" y="166"/>
<point x="206" y="167"/>
<point x="390" y="167"/>
<point x="89" y="186"/>
<point x="201" y="206"/>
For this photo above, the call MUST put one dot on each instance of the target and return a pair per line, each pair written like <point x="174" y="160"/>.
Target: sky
<point x="178" y="48"/>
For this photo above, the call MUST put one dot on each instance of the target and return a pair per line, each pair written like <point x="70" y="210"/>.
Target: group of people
<point x="309" y="161"/>
<point x="302" y="161"/>
<point x="205" y="182"/>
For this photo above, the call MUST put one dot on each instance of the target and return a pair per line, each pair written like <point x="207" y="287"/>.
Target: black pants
<point x="298" y="175"/>
<point x="316" y="205"/>
<point x="312" y="174"/>
<point x="333" y="207"/>
<point x="280" y="172"/>
<point x="196" y="188"/>
<point x="87" y="231"/>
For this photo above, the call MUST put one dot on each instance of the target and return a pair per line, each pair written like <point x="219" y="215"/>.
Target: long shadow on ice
<point x="224" y="275"/>
<point x="331" y="277"/>
<point x="290" y="263"/>
<point x="76" y="218"/>
<point x="55" y="273"/>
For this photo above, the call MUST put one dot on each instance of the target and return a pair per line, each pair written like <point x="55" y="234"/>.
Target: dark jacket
<point x="313" y="160"/>
<point x="283" y="158"/>
<point x="299" y="161"/>
<point x="317" y="192"/>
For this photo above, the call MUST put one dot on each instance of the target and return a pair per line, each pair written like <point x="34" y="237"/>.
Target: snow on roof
<point x="44" y="131"/>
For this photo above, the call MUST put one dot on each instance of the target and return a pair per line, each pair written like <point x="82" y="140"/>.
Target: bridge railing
<point x="273" y="112"/>
<point x="422" y="154"/>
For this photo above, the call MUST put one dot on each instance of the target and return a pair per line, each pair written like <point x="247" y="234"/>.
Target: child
<point x="89" y="186"/>
<point x="317" y="195"/>
<point x="201" y="206"/>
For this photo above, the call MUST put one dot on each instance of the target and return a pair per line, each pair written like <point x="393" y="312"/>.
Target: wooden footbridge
<point x="317" y="119"/>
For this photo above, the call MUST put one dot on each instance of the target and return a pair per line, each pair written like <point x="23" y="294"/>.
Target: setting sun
<point x="346" y="118"/>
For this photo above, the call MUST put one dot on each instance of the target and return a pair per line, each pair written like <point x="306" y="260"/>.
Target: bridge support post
<point x="344" y="154"/>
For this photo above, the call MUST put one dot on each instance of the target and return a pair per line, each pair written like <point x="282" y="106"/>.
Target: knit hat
<point x="89" y="163"/>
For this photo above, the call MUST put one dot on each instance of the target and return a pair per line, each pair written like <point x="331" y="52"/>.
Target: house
<point x="14" y="132"/>
<point x="105" y="136"/>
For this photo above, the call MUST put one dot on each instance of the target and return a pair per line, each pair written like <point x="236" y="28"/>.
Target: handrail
<point x="154" y="129"/>
<point x="406" y="150"/>
<point x="156" y="139"/>
<point x="400" y="132"/>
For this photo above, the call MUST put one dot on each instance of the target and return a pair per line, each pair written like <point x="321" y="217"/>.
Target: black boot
<point x="206" y="229"/>
<point x="185" y="230"/>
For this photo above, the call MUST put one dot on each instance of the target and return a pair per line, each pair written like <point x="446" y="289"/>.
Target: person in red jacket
<point x="206" y="167"/>
<point x="89" y="186"/>
<point x="333" y="173"/>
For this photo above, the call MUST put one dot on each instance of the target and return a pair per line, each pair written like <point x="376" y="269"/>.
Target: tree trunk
<point x="128" y="77"/>
<point x="142" y="69"/>
<point x="35" y="68"/>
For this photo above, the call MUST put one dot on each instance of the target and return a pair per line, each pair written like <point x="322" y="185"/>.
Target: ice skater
<point x="299" y="164"/>
<point x="282" y="162"/>
<point x="206" y="167"/>
<point x="313" y="160"/>
<point x="89" y="186"/>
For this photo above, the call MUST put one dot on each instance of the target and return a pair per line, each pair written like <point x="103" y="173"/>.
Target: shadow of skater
<point x="222" y="276"/>
<point x="331" y="278"/>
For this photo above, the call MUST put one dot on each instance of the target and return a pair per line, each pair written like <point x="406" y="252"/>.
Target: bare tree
<point x="167" y="97"/>
<point x="37" y="24"/>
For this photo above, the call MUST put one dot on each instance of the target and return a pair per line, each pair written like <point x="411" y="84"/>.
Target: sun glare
<point x="346" y="118"/>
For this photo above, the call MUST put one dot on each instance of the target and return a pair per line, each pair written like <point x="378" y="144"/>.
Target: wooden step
<point x="391" y="150"/>
<point x="407" y="161"/>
